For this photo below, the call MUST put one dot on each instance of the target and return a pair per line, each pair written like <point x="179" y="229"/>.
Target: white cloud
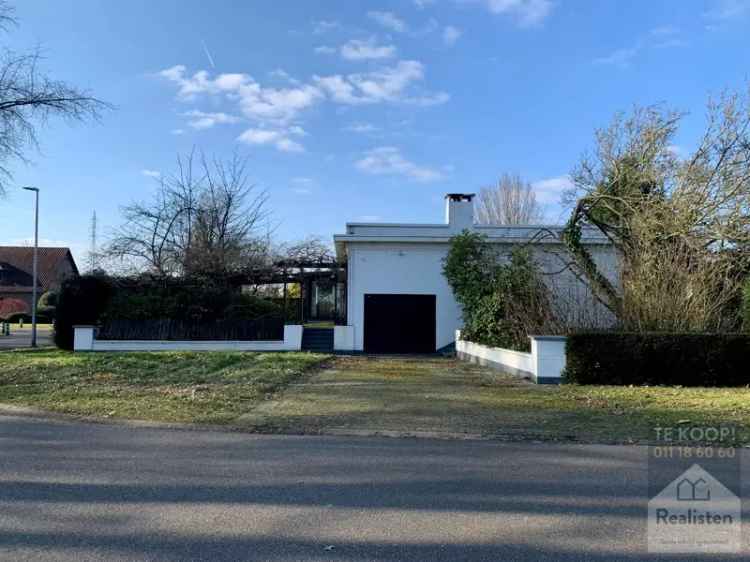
<point x="671" y="43"/>
<point x="177" y="131"/>
<point x="620" y="57"/>
<point x="281" y="74"/>
<point x="727" y="10"/>
<point x="325" y="50"/>
<point x="203" y="120"/>
<point x="526" y="13"/>
<point x="369" y="218"/>
<point x="303" y="180"/>
<point x="388" y="160"/>
<point x="422" y="4"/>
<point x="302" y="191"/>
<point x="389" y="20"/>
<point x="272" y="112"/>
<point x="357" y="49"/>
<point x="550" y="191"/>
<point x="361" y="128"/>
<point x="275" y="137"/>
<point x="388" y="84"/>
<point x="663" y="30"/>
<point x="451" y="35"/>
<point x="255" y="101"/>
<point x="151" y="173"/>
<point x="324" y="26"/>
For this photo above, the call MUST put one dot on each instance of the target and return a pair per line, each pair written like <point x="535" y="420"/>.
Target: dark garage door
<point x="399" y="323"/>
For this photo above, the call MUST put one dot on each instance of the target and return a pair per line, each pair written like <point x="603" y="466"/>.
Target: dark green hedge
<point x="98" y="299"/>
<point x="658" y="359"/>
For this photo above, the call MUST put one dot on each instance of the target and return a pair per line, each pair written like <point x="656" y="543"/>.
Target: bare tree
<point x="681" y="225"/>
<point x="204" y="219"/>
<point x="28" y="97"/>
<point x="511" y="201"/>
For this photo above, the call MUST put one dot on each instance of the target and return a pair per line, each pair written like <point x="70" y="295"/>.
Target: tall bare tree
<point x="204" y="219"/>
<point x="28" y="97"/>
<point x="511" y="201"/>
<point x="681" y="224"/>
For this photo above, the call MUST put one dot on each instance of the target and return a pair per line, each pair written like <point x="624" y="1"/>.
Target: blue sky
<point x="355" y="110"/>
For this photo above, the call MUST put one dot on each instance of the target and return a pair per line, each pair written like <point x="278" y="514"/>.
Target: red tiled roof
<point x="49" y="264"/>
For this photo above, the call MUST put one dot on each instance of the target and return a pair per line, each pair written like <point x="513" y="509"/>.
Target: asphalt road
<point x="77" y="491"/>
<point x="21" y="337"/>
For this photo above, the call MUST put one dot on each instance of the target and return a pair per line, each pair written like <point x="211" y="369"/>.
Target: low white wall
<point x="543" y="365"/>
<point x="85" y="340"/>
<point x="343" y="338"/>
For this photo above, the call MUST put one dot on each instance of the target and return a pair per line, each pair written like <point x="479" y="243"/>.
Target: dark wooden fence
<point x="265" y="328"/>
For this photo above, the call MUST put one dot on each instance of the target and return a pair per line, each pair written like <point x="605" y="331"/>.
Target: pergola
<point x="312" y="276"/>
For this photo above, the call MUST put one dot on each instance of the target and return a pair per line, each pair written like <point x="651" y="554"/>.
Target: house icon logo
<point x="694" y="513"/>
<point x="698" y="490"/>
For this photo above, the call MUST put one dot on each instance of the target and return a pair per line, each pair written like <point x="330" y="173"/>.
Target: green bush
<point x="82" y="300"/>
<point x="502" y="297"/>
<point x="47" y="305"/>
<point x="97" y="299"/>
<point x="658" y="359"/>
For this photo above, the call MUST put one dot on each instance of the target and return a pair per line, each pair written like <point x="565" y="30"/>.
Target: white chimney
<point x="459" y="211"/>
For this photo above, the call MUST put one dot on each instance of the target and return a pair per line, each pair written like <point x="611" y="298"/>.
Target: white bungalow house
<point x="398" y="300"/>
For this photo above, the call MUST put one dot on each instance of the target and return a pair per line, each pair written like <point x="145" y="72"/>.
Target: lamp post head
<point x="29" y="188"/>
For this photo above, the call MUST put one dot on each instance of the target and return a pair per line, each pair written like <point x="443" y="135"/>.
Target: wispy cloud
<point x="723" y="10"/>
<point x="255" y="101"/>
<point x="389" y="84"/>
<point x="151" y="173"/>
<point x="422" y="4"/>
<point x="203" y="120"/>
<point x="358" y="49"/>
<point x="283" y="75"/>
<point x="526" y="13"/>
<point x="279" y="138"/>
<point x="619" y="57"/>
<point x="208" y="54"/>
<point x="177" y="131"/>
<point x="388" y="160"/>
<point x="324" y="26"/>
<point x="389" y="20"/>
<point x="274" y="113"/>
<point x="664" y="30"/>
<point x="550" y="190"/>
<point x="451" y="35"/>
<point x="361" y="128"/>
<point x="325" y="50"/>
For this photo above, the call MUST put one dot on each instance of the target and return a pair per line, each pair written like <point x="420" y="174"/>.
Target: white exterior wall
<point x="85" y="340"/>
<point x="394" y="268"/>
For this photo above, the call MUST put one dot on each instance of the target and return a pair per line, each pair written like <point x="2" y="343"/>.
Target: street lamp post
<point x="36" y="258"/>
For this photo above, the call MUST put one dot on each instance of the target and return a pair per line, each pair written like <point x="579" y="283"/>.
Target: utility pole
<point x="93" y="252"/>
<point x="34" y="274"/>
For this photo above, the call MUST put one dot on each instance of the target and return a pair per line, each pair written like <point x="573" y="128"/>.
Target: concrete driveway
<point x="76" y="491"/>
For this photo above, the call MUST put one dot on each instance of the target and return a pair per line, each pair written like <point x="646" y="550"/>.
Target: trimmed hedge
<point x="99" y="299"/>
<point x="658" y="359"/>
<point x="82" y="300"/>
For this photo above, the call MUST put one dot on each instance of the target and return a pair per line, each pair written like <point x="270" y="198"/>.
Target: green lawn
<point x="207" y="387"/>
<point x="446" y="396"/>
<point x="400" y="396"/>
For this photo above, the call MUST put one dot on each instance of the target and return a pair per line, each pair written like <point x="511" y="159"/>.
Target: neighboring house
<point x="16" y="273"/>
<point x="398" y="300"/>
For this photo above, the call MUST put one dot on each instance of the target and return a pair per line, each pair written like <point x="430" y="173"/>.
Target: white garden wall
<point x="544" y="365"/>
<point x="85" y="340"/>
